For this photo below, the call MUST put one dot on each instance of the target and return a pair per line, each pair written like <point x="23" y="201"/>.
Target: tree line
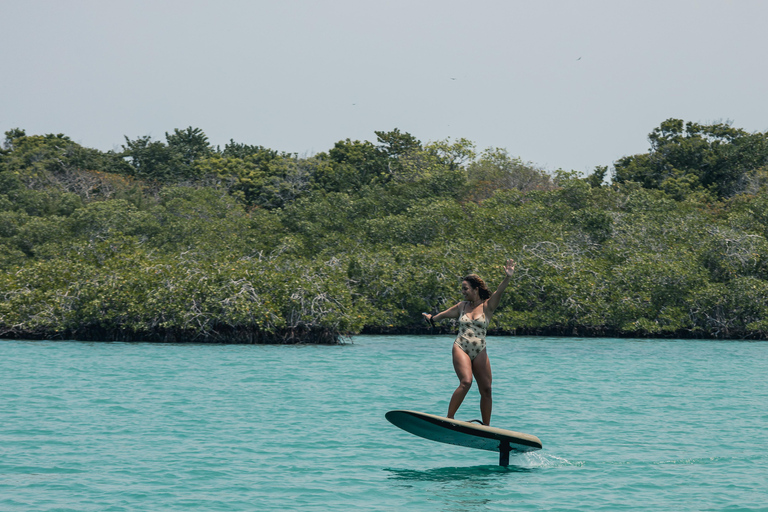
<point x="180" y="240"/>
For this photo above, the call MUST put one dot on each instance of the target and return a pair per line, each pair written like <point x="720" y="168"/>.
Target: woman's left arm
<point x="493" y="302"/>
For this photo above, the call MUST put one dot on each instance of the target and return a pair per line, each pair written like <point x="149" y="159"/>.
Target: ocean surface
<point x="626" y="425"/>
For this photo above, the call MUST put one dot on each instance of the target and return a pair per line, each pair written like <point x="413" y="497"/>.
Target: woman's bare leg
<point x="481" y="367"/>
<point x="463" y="366"/>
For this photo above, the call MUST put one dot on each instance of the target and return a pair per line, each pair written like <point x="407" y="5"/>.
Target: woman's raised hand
<point x="509" y="268"/>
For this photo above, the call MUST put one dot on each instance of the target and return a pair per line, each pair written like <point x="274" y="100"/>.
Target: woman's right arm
<point x="452" y="312"/>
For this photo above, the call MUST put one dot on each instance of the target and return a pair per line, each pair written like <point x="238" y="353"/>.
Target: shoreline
<point x="307" y="336"/>
<point x="226" y="335"/>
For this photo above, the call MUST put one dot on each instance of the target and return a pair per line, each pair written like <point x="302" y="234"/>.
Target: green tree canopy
<point x="691" y="156"/>
<point x="172" y="161"/>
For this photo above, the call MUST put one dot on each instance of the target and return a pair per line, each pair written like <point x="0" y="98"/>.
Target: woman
<point x="469" y="354"/>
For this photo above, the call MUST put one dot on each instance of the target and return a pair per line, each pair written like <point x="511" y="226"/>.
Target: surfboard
<point x="463" y="433"/>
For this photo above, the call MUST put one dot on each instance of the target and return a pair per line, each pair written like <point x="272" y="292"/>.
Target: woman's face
<point x="469" y="293"/>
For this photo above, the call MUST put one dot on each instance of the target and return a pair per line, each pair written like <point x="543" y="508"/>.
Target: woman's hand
<point x="509" y="268"/>
<point x="428" y="318"/>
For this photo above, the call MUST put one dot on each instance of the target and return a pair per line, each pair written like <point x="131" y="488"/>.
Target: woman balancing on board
<point x="469" y="354"/>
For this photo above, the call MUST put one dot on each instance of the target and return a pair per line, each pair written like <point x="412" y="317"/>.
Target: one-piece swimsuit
<point x="471" y="337"/>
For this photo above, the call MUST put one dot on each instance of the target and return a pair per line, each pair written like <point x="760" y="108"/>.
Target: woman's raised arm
<point x="493" y="302"/>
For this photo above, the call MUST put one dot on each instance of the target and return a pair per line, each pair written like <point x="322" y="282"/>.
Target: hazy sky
<point x="569" y="84"/>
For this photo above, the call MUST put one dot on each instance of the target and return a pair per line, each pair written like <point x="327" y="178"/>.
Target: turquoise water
<point x="626" y="425"/>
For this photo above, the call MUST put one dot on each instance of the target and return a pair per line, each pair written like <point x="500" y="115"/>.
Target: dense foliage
<point x="180" y="240"/>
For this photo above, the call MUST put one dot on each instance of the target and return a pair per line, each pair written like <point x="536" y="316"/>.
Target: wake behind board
<point x="462" y="433"/>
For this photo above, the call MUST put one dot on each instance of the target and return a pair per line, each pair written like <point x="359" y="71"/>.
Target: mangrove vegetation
<point x="178" y="240"/>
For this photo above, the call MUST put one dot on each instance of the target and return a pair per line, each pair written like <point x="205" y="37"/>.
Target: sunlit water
<point x="626" y="425"/>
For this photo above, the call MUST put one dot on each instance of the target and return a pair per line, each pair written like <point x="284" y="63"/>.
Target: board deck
<point x="463" y="433"/>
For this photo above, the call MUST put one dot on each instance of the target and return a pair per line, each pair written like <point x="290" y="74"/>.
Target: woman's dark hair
<point x="475" y="282"/>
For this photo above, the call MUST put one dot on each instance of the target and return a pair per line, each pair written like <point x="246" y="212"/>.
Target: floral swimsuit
<point x="471" y="338"/>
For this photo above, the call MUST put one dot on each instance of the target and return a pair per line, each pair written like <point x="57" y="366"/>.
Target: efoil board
<point x="463" y="433"/>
